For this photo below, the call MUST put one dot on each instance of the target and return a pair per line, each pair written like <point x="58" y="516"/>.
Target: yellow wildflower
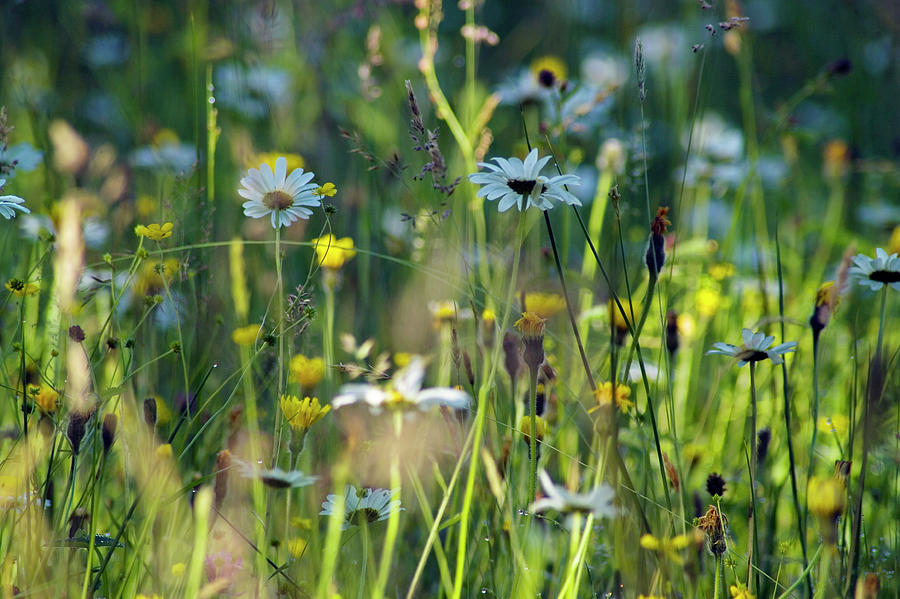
<point x="402" y="358"/>
<point x="145" y="206"/>
<point x="827" y="497"/>
<point x="603" y="394"/>
<point x="531" y="325"/>
<point x="332" y="252"/>
<point x="835" y="158"/>
<point x="246" y="335"/>
<point x="544" y="305"/>
<point x="163" y="413"/>
<point x="838" y="424"/>
<point x="154" y="231"/>
<point x="178" y="570"/>
<point x="488" y="317"/>
<point x="708" y="300"/>
<point x="294" y="161"/>
<point x="739" y="591"/>
<point x="21" y="288"/>
<point x="721" y="271"/>
<point x="540" y="426"/>
<point x="45" y="397"/>
<point x="894" y="243"/>
<point x="302" y="414"/>
<point x="164" y="137"/>
<point x="553" y="64"/>
<point x="152" y="273"/>
<point x="328" y="190"/>
<point x="297" y="546"/>
<point x="308" y="372"/>
<point x="164" y="451"/>
<point x="667" y="547"/>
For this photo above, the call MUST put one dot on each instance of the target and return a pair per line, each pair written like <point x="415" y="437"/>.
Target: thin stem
<point x="754" y="558"/>
<point x="532" y="438"/>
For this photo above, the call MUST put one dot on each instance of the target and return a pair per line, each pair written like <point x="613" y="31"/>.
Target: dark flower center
<point x="275" y="482"/>
<point x="366" y="514"/>
<point x="277" y="200"/>
<point x="522" y="186"/>
<point x="752" y="355"/>
<point x="885" y="276"/>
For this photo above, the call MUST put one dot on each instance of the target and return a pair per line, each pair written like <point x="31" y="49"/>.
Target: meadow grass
<point x="400" y="378"/>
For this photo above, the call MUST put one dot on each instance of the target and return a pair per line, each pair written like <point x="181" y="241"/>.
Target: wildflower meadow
<point x="398" y="299"/>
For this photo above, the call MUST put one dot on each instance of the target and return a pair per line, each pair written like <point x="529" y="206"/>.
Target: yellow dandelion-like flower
<point x="328" y="190"/>
<point x="247" y="335"/>
<point x="302" y="414"/>
<point x="332" y="252"/>
<point x="154" y="231"/>
<point x="604" y="393"/>
<point x="45" y="397"/>
<point x="489" y="317"/>
<point x="708" y="300"/>
<point x="21" y="288"/>
<point x="164" y="451"/>
<point x="294" y="161"/>
<point x="827" y="497"/>
<point x="618" y="319"/>
<point x="667" y="547"/>
<point x="721" y="271"/>
<point x="530" y="325"/>
<point x="837" y="423"/>
<point x="739" y="591"/>
<point x="540" y="426"/>
<point x="402" y="358"/>
<point x="544" y="305"/>
<point x="308" y="372"/>
<point x="553" y="64"/>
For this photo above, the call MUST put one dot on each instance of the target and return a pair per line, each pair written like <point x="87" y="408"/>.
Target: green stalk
<point x="532" y="438"/>
<point x="393" y="526"/>
<point x="360" y="593"/>
<point x="488" y="384"/>
<point x="785" y="388"/>
<point x="753" y="562"/>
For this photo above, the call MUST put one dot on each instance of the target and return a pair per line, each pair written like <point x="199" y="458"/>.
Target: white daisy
<point x="877" y="272"/>
<point x="285" y="197"/>
<point x="365" y="505"/>
<point x="9" y="204"/>
<point x="274" y="477"/>
<point x="511" y="181"/>
<point x="598" y="502"/>
<point x="755" y="348"/>
<point x="404" y="391"/>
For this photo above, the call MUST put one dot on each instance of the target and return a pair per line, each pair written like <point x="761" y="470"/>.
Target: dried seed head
<point x="75" y="430"/>
<point x="76" y="333"/>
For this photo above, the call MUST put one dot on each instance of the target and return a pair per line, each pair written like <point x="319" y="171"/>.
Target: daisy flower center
<point x="885" y="276"/>
<point x="752" y="355"/>
<point x="522" y="186"/>
<point x="367" y="514"/>
<point x="277" y="200"/>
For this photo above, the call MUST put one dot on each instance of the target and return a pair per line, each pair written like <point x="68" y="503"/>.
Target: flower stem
<point x="754" y="547"/>
<point x="482" y="408"/>
<point x="532" y="438"/>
